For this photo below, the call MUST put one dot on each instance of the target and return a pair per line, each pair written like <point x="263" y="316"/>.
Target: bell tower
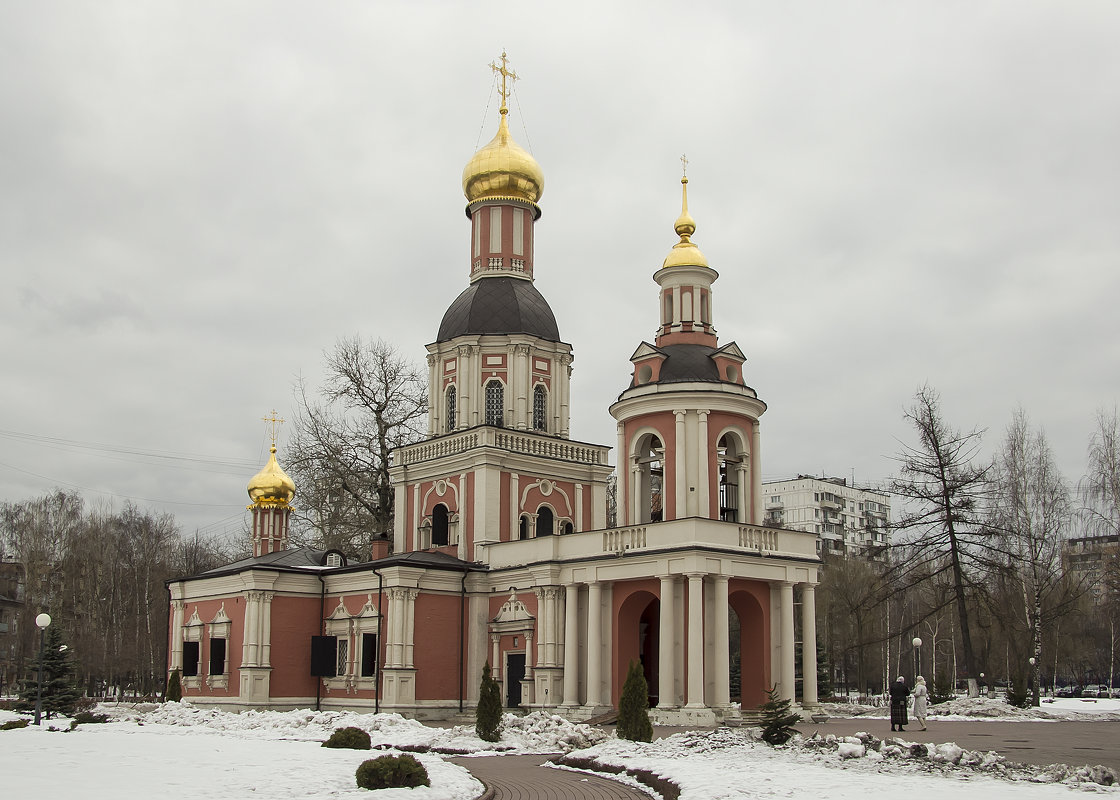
<point x="271" y="491"/>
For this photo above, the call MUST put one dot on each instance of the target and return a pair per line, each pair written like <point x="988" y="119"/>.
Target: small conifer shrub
<point x="777" y="719"/>
<point x="392" y="772"/>
<point x="348" y="739"/>
<point x="633" y="707"/>
<point x="488" y="715"/>
<point x="13" y="724"/>
<point x="89" y="718"/>
<point x="1018" y="693"/>
<point x="174" y="687"/>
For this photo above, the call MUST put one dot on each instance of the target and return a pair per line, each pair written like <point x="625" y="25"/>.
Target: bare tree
<point x="944" y="494"/>
<point x="371" y="402"/>
<point x="1100" y="509"/>
<point x="1031" y="515"/>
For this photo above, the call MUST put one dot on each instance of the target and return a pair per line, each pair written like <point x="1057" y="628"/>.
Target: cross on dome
<point x="274" y="423"/>
<point x="505" y="72"/>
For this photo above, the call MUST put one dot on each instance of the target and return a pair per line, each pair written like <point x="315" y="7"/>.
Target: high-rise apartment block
<point x="847" y="519"/>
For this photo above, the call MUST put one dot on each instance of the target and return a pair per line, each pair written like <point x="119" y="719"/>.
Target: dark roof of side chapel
<point x="499" y="305"/>
<point x="300" y="559"/>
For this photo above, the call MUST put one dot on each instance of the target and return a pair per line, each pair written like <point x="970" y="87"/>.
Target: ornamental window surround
<point x="495" y="403"/>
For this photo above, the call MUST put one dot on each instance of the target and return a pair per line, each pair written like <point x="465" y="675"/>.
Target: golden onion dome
<point x="684" y="252"/>
<point x="271" y="484"/>
<point x="503" y="170"/>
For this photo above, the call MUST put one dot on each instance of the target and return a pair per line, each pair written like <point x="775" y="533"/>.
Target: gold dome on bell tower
<point x="272" y="484"/>
<point x="503" y="170"/>
<point x="685" y="253"/>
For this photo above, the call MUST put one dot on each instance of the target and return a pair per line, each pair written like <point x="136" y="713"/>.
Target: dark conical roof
<point x="688" y="362"/>
<point x="499" y="305"/>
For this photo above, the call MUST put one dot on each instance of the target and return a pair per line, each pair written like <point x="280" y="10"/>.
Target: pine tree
<point x="633" y="707"/>
<point x="824" y="674"/>
<point x="174" y="687"/>
<point x="488" y="715"/>
<point x="777" y="719"/>
<point x="60" y="694"/>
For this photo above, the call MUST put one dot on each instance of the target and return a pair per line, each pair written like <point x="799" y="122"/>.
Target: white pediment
<point x="513" y="610"/>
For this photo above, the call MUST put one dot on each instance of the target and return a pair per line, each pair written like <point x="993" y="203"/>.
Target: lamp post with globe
<point x="1036" y="689"/>
<point x="43" y="621"/>
<point x="917" y="657"/>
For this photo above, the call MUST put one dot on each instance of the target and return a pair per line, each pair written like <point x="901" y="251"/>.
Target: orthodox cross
<point x="274" y="422"/>
<point x="505" y="72"/>
<point x="684" y="166"/>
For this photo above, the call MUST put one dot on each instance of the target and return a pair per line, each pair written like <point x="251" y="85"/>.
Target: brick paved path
<point x="523" y="778"/>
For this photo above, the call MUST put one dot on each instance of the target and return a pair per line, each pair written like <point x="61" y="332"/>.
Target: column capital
<point x="679" y="414"/>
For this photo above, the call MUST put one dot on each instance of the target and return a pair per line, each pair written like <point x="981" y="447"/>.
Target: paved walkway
<point x="1060" y="742"/>
<point x="523" y="778"/>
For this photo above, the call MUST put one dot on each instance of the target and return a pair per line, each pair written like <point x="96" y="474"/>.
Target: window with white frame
<point x="450" y="408"/>
<point x="540" y="408"/>
<point x="495" y="403"/>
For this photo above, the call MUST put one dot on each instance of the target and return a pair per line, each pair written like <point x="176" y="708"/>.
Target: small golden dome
<point x="684" y="252"/>
<point x="503" y="170"/>
<point x="271" y="484"/>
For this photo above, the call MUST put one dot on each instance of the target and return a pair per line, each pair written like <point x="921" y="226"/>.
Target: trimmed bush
<point x="89" y="718"/>
<point x="942" y="690"/>
<point x="174" y="687"/>
<point x="392" y="772"/>
<point x="633" y="707"/>
<point x="1018" y="693"/>
<point x="488" y="715"/>
<point x="348" y="739"/>
<point x="12" y="724"/>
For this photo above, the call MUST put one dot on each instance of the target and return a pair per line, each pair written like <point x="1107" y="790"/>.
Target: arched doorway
<point x="638" y="636"/>
<point x="747" y="623"/>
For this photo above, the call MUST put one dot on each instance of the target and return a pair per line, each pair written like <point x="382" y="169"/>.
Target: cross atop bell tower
<point x="506" y="73"/>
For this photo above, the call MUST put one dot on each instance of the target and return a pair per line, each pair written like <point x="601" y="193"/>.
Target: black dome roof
<point x="499" y="305"/>
<point x="688" y="362"/>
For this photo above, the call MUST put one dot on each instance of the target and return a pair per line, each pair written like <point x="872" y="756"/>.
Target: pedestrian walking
<point x="921" y="701"/>
<point x="900" y="693"/>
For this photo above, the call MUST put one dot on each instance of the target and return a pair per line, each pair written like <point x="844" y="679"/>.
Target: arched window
<point x="523" y="527"/>
<point x="730" y="469"/>
<point x="439" y="525"/>
<point x="648" y="454"/>
<point x="450" y="408"/>
<point x="669" y="308"/>
<point x="495" y="403"/>
<point x="568" y="528"/>
<point x="540" y="405"/>
<point x="545" y="521"/>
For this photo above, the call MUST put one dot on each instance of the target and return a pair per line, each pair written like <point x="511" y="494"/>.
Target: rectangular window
<point x="495" y="230"/>
<point x="217" y="656"/>
<point x="343" y="655"/>
<point x="519" y="231"/>
<point x="190" y="659"/>
<point x="369" y="654"/>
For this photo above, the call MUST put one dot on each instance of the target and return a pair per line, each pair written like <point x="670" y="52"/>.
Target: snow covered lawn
<point x="176" y="750"/>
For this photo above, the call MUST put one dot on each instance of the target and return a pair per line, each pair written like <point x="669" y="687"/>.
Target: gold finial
<point x="505" y="72"/>
<point x="685" y="225"/>
<point x="684" y="168"/>
<point x="274" y="422"/>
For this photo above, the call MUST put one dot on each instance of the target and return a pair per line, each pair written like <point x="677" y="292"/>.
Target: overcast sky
<point x="197" y="199"/>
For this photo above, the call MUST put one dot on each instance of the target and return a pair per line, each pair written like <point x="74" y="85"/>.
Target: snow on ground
<point x="180" y="750"/>
<point x="980" y="708"/>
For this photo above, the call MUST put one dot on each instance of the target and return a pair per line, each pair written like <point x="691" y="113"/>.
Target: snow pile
<point x="721" y="762"/>
<point x="538" y="732"/>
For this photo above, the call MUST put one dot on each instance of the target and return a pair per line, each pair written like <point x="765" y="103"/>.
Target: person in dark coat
<point x="900" y="693"/>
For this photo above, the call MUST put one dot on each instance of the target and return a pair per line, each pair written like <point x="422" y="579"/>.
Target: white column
<point x="514" y="507"/>
<point x="786" y="689"/>
<point x="266" y="630"/>
<point x="177" y="635"/>
<point x="542" y="628"/>
<point x="742" y="478"/>
<point x="249" y="648"/>
<point x="462" y="526"/>
<point x="409" y="624"/>
<point x="695" y="640"/>
<point x="577" y="521"/>
<point x="681" y="477"/>
<point x="495" y="667"/>
<point x="571" y="645"/>
<point x="808" y="644"/>
<point x="625" y="491"/>
<point x="756" y="476"/>
<point x="594" y="643"/>
<point x="435" y="388"/>
<point x="521" y="386"/>
<point x="703" y="461"/>
<point x="678" y="312"/>
<point x="720" y="644"/>
<point x="636" y="490"/>
<point x="666" y="651"/>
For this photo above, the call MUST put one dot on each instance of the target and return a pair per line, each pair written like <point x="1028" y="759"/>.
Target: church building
<point x="501" y="551"/>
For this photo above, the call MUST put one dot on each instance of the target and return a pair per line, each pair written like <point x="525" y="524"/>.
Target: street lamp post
<point x="1036" y="689"/>
<point x="917" y="657"/>
<point x="43" y="621"/>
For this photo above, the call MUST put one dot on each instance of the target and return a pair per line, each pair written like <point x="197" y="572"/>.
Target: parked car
<point x="1092" y="690"/>
<point x="1064" y="691"/>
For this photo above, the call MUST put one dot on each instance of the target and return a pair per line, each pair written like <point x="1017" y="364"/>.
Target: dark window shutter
<point x="369" y="654"/>
<point x="217" y="656"/>
<point x="323" y="655"/>
<point x="190" y="659"/>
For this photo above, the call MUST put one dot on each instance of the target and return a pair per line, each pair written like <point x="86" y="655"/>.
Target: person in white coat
<point x="921" y="701"/>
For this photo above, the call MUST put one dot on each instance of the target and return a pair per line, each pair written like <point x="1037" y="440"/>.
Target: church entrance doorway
<point x="638" y="629"/>
<point x="515" y="673"/>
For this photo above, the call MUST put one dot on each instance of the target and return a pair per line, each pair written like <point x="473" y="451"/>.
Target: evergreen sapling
<point x="633" y="707"/>
<point x="777" y="719"/>
<point x="488" y="715"/>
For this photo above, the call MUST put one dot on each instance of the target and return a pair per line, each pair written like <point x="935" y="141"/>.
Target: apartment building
<point x="847" y="519"/>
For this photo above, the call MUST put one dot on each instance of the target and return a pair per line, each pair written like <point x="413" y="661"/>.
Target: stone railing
<point x="505" y="438"/>
<point x="751" y="539"/>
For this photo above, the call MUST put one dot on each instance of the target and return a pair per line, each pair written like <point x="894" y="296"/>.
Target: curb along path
<point x="523" y="778"/>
